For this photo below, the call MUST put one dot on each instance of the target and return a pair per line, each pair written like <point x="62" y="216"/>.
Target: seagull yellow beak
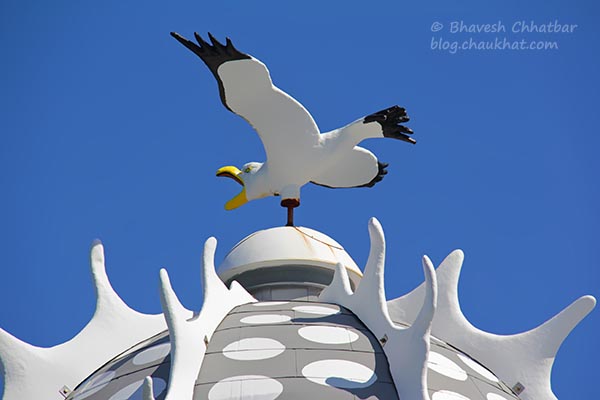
<point x="235" y="174"/>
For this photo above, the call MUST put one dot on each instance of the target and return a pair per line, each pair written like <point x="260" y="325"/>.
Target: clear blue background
<point x="111" y="129"/>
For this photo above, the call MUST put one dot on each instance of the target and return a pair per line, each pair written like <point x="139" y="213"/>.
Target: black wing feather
<point x="213" y="55"/>
<point x="381" y="173"/>
<point x="390" y="120"/>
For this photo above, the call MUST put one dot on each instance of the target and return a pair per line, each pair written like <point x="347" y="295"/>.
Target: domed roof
<point x="344" y="344"/>
<point x="291" y="350"/>
<point x="286" y="246"/>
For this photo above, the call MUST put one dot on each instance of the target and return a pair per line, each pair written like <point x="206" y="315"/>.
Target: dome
<point x="290" y="350"/>
<point x="291" y="258"/>
<point x="334" y="344"/>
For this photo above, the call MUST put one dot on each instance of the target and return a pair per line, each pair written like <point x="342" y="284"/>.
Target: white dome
<point x="286" y="246"/>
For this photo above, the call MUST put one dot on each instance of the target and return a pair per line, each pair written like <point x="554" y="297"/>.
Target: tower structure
<point x="289" y="315"/>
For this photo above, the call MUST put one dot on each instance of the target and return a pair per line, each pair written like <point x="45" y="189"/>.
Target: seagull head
<point x="245" y="177"/>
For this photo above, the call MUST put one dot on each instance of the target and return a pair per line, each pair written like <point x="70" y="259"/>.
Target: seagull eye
<point x="247" y="169"/>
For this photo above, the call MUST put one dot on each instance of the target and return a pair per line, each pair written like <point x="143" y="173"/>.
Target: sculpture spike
<point x="339" y="286"/>
<point x="533" y="351"/>
<point x="414" y="343"/>
<point x="147" y="389"/>
<point x="409" y="372"/>
<point x="106" y="297"/>
<point x="33" y="372"/>
<point x="210" y="279"/>
<point x="424" y="318"/>
<point x="374" y="269"/>
<point x="553" y="332"/>
<point x="187" y="351"/>
<point x="342" y="279"/>
<point x="405" y="308"/>
<point x="173" y="310"/>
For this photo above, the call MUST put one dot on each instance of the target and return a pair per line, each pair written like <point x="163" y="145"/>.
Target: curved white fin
<point x="188" y="334"/>
<point x="405" y="348"/>
<point x="39" y="373"/>
<point x="524" y="358"/>
<point x="147" y="389"/>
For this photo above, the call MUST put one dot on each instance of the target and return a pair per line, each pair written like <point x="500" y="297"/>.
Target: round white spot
<point x="266" y="319"/>
<point x="494" y="396"/>
<point x="327" y="334"/>
<point x="318" y="310"/>
<point x="475" y="366"/>
<point x="253" y="349"/>
<point x="443" y="365"/>
<point x="154" y="353"/>
<point x="95" y="384"/>
<point x="127" y="391"/>
<point x="448" y="395"/>
<point x="269" y="303"/>
<point x="339" y="373"/>
<point x="246" y="387"/>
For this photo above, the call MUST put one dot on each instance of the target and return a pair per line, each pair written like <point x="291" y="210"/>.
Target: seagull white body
<point x="297" y="152"/>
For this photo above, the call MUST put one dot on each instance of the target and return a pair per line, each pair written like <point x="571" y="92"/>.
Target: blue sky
<point x="111" y="129"/>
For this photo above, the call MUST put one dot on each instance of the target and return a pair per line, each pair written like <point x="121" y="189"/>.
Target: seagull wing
<point x="355" y="168"/>
<point x="285" y="127"/>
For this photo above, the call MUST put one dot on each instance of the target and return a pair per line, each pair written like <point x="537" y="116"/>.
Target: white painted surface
<point x="494" y="396"/>
<point x="525" y="357"/>
<point x="269" y="303"/>
<point x="246" y="387"/>
<point x="478" y="368"/>
<point x="327" y="334"/>
<point x="406" y="348"/>
<point x="448" y="395"/>
<point x="152" y="354"/>
<point x="253" y="349"/>
<point x="265" y="319"/>
<point x="443" y="365"/>
<point x="186" y="334"/>
<point x="287" y="245"/>
<point x="39" y="373"/>
<point x="340" y="374"/>
<point x="147" y="389"/>
<point x="318" y="310"/>
<point x="296" y="151"/>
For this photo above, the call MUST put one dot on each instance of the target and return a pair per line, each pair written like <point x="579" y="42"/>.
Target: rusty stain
<point x="318" y="240"/>
<point x="308" y="244"/>
<point x="329" y="246"/>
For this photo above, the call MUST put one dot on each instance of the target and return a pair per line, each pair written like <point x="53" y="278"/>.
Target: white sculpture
<point x="297" y="152"/>
<point x="32" y="372"/>
<point x="188" y="347"/>
<point x="405" y="348"/>
<point x="523" y="361"/>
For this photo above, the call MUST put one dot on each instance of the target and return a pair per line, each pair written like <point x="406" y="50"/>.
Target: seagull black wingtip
<point x="203" y="43"/>
<point x="179" y="38"/>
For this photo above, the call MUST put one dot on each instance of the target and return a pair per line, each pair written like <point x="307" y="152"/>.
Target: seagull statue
<point x="297" y="152"/>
